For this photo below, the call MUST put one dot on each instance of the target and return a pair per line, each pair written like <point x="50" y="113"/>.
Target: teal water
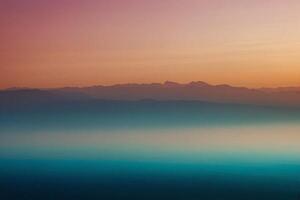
<point x="133" y="152"/>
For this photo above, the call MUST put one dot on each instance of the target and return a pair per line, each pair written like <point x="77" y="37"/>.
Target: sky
<point x="57" y="43"/>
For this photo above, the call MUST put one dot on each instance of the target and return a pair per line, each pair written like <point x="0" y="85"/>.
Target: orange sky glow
<point x="56" y="43"/>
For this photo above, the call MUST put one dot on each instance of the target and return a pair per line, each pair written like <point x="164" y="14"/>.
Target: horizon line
<point x="143" y="83"/>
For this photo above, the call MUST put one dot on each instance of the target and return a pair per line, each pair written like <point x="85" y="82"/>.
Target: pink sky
<point x="53" y="43"/>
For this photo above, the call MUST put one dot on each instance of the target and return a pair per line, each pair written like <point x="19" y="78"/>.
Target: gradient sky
<point x="53" y="43"/>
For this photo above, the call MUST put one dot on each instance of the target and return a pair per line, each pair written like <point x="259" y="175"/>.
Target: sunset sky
<point x="55" y="43"/>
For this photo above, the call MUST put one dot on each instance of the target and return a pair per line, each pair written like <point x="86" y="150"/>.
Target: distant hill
<point x="281" y="89"/>
<point x="193" y="91"/>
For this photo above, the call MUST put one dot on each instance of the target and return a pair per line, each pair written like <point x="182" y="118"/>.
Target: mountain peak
<point x="198" y="84"/>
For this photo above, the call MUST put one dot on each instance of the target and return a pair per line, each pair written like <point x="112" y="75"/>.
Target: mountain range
<point x="167" y="91"/>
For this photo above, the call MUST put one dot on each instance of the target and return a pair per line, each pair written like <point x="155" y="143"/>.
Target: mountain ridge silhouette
<point x="167" y="91"/>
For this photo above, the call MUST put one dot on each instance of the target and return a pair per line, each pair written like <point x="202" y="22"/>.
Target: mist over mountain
<point x="167" y="91"/>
